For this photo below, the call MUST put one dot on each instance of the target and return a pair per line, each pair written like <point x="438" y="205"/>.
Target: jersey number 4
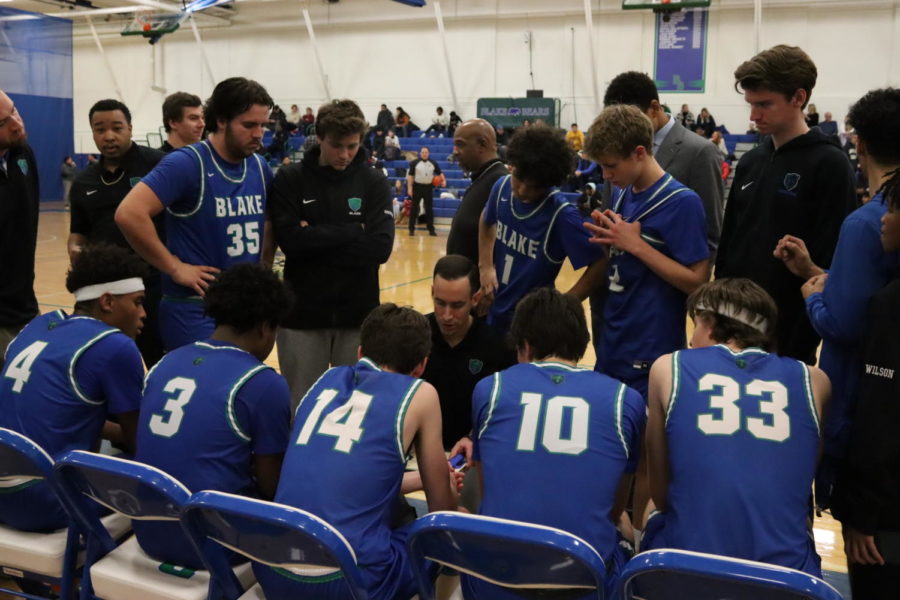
<point x="777" y="430"/>
<point x="344" y="422"/>
<point x="19" y="369"/>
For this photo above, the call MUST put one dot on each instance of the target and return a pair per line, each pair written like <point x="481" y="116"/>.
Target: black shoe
<point x="432" y="233"/>
<point x="412" y="233"/>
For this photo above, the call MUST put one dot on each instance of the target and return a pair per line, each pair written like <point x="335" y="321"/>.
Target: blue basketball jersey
<point x="644" y="317"/>
<point x="215" y="210"/>
<point x="554" y="442"/>
<point x="742" y="434"/>
<point x="532" y="242"/>
<point x="346" y="462"/>
<point x="207" y="409"/>
<point x="63" y="377"/>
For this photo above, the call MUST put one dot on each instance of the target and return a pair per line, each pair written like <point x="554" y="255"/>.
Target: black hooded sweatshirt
<point x="804" y="188"/>
<point x="332" y="263"/>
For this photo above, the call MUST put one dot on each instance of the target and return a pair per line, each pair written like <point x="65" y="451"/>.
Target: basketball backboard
<point x="154" y="25"/>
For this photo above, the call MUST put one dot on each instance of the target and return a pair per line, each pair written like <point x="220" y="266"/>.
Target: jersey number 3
<point x="777" y="430"/>
<point x="168" y="425"/>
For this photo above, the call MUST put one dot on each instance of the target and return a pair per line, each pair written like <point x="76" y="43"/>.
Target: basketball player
<point x="65" y="375"/>
<point x="528" y="229"/>
<point x="213" y="415"/>
<point x="658" y="251"/>
<point x="182" y="119"/>
<point x="567" y="428"/>
<point x="214" y="195"/>
<point x="352" y="434"/>
<point x="733" y="435"/>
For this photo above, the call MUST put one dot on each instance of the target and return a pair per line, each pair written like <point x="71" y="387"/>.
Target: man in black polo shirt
<point x="475" y="148"/>
<point x="97" y="192"/>
<point x="464" y="348"/>
<point x="182" y="119"/>
<point x="19" y="197"/>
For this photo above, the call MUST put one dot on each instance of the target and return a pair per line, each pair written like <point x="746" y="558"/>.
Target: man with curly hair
<point x="528" y="229"/>
<point x="66" y="374"/>
<point x="836" y="299"/>
<point x="213" y="415"/>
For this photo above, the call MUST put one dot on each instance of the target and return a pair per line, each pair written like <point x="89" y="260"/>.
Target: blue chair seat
<point x="522" y="556"/>
<point x="667" y="574"/>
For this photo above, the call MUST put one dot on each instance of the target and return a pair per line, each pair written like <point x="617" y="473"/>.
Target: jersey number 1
<point x="344" y="422"/>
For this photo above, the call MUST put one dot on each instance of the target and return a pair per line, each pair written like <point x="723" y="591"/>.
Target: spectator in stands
<point x="502" y="136"/>
<point x="182" y="119"/>
<point x="404" y="122"/>
<point x="91" y="159"/>
<point x="836" y="301"/>
<point x="590" y="454"/>
<point x="68" y="171"/>
<point x="726" y="481"/>
<point x="866" y="496"/>
<point x="588" y="201"/>
<point x="277" y="116"/>
<point x="420" y="187"/>
<point x="293" y="118"/>
<point x="233" y="435"/>
<point x="829" y="126"/>
<point x="718" y="140"/>
<point x="391" y="146"/>
<point x="706" y="124"/>
<point x="686" y="118"/>
<point x="439" y="124"/>
<point x="528" y="228"/>
<point x="99" y="190"/>
<point x="812" y="116"/>
<point x="475" y="148"/>
<point x="797" y="181"/>
<point x="586" y="171"/>
<point x="332" y="218"/>
<point x="455" y="121"/>
<point x="307" y="121"/>
<point x="278" y="146"/>
<point x="575" y="138"/>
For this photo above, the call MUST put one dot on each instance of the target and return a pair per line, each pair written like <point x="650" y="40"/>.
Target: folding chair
<point x="45" y="557"/>
<point x="272" y="534"/>
<point x="141" y="492"/>
<point x="533" y="560"/>
<point x="667" y="574"/>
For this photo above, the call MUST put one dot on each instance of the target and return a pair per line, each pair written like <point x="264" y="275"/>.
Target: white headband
<point x="746" y="317"/>
<point x="116" y="288"/>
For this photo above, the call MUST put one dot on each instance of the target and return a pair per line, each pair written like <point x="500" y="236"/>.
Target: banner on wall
<point x="680" y="57"/>
<point x="512" y="112"/>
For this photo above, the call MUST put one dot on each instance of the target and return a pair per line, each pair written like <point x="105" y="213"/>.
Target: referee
<point x="422" y="172"/>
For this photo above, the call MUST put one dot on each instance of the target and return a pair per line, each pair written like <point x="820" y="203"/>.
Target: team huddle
<point x="709" y="445"/>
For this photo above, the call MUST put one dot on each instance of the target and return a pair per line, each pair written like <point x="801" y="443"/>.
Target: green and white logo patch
<point x="23" y="165"/>
<point x="354" y="203"/>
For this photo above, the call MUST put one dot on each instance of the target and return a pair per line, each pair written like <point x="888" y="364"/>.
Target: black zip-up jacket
<point x="804" y="188"/>
<point x="332" y="264"/>
<point x="19" y="199"/>
<point x="867" y="490"/>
